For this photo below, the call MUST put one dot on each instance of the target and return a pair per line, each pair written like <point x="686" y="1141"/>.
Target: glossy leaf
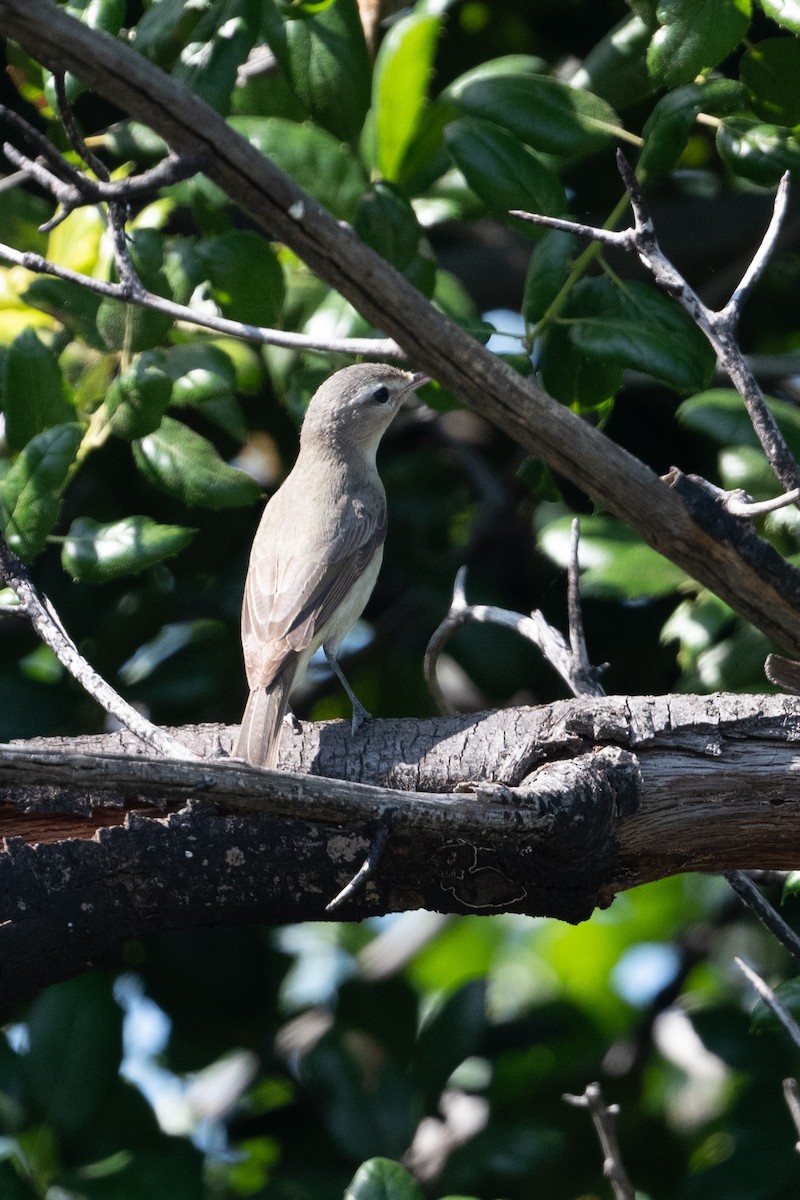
<point x="30" y="494"/>
<point x="447" y="1039"/>
<point x="386" y="221"/>
<point x="222" y="41"/>
<point x="694" y="37"/>
<point x="583" y="382"/>
<point x="547" y="272"/>
<point x="544" y="113"/>
<point x="138" y="398"/>
<point x="666" y="130"/>
<point x="314" y="159"/>
<point x="70" y="303"/>
<point x="400" y="86"/>
<point x="614" y="561"/>
<point x="720" y="414"/>
<point x="245" y="275"/>
<point x="187" y="467"/>
<point x="503" y="172"/>
<point x="383" y="1179"/>
<point x="204" y="377"/>
<point x="33" y="390"/>
<point x="759" y="152"/>
<point x="126" y="326"/>
<point x="615" y="67"/>
<point x="97" y="553"/>
<point x="640" y="328"/>
<point x="330" y="67"/>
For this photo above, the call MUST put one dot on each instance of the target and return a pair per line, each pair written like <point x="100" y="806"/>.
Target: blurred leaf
<point x="245" y="275"/>
<point x="446" y="1039"/>
<point x="720" y="414"/>
<point x="666" y="130"/>
<point x="770" y="71"/>
<point x="180" y="462"/>
<point x="386" y="221"/>
<point x="169" y="641"/>
<point x="30" y="494"/>
<point x="97" y="553"/>
<point x="403" y="68"/>
<point x="75" y="1032"/>
<point x="76" y="242"/>
<point x="314" y="159"/>
<point x="547" y="272"/>
<point x="383" y="1179"/>
<point x="138" y="398"/>
<point x="129" y="327"/>
<point x="756" y="151"/>
<point x="572" y="377"/>
<point x="783" y="12"/>
<point x="34" y="395"/>
<point x="614" y="560"/>
<point x="70" y="303"/>
<point x="640" y="328"/>
<point x="504" y="172"/>
<point x="791" y="884"/>
<point x="330" y="67"/>
<point x="694" y="38"/>
<point x="223" y="39"/>
<point x="546" y="114"/>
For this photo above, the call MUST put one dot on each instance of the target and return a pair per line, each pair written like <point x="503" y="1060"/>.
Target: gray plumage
<point x="318" y="549"/>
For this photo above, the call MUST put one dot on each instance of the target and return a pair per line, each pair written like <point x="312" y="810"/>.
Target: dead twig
<point x="604" y="1118"/>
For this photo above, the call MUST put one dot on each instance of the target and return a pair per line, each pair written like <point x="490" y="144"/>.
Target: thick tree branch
<point x="611" y="476"/>
<point x="587" y="798"/>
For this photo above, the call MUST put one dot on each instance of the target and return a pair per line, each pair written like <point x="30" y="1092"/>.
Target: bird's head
<point x="355" y="406"/>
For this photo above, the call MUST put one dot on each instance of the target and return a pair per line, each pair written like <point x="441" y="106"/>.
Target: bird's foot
<point x="294" y="723"/>
<point x="360" y="716"/>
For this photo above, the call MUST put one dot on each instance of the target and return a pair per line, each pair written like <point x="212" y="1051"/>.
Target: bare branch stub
<point x="604" y="1118"/>
<point x="47" y="625"/>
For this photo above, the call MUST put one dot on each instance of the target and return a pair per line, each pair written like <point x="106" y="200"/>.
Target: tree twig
<point x="771" y="1000"/>
<point x="791" y="1094"/>
<point x="604" y="1118"/>
<point x="44" y="619"/>
<point x="719" y="326"/>
<point x="570" y="661"/>
<point x="750" y="895"/>
<point x="369" y="865"/>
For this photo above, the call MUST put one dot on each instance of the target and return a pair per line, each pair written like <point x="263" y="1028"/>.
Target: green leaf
<point x="30" y="494"/>
<point x="720" y="414"/>
<point x="204" y="377"/>
<point x="770" y="71"/>
<point x="70" y="303"/>
<point x="666" y="130"/>
<point x="783" y="12"/>
<point x="386" y="221"/>
<point x="245" y="276"/>
<point x="314" y="159"/>
<point x="383" y="1179"/>
<point x="126" y="326"/>
<point x="639" y="328"/>
<point x="615" y="67"/>
<point x="545" y="114"/>
<point x="33" y="391"/>
<point x="579" y="380"/>
<point x="450" y="1036"/>
<point x="187" y="467"/>
<point x="208" y="65"/>
<point x="614" y="561"/>
<point x="97" y="553"/>
<point x="403" y="69"/>
<point x="694" y="37"/>
<point x="791" y="884"/>
<point x="330" y="67"/>
<point x="547" y="271"/>
<point x="72" y="1064"/>
<point x="756" y="151"/>
<point x="138" y="398"/>
<point x="504" y="172"/>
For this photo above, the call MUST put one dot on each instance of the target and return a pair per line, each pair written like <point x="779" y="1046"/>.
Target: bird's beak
<point x="417" y="380"/>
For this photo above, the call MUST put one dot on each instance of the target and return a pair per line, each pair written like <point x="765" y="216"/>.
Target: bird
<point x="318" y="549"/>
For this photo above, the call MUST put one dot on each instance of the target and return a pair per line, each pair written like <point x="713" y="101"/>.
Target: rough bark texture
<point x="547" y="811"/>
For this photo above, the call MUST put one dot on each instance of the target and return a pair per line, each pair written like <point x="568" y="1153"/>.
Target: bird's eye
<point x="381" y="394"/>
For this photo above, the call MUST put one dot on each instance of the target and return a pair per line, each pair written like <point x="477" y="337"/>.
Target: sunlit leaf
<point x="97" y="553"/>
<point x="187" y="467"/>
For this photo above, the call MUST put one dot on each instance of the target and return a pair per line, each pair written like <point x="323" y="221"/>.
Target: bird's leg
<point x="360" y="714"/>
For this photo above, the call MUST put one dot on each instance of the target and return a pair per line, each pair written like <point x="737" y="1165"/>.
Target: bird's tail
<point x="260" y="734"/>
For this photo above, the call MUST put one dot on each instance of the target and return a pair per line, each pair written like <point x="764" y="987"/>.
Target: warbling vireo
<point x="318" y="549"/>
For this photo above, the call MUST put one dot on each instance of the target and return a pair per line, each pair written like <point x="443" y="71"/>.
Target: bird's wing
<point x="287" y="601"/>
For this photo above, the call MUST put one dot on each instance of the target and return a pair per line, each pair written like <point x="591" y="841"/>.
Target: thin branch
<point x="771" y="1000"/>
<point x="373" y="347"/>
<point x="370" y="863"/>
<point x="535" y="628"/>
<point x="718" y="327"/>
<point x="581" y="669"/>
<point x="791" y="1094"/>
<point x="45" y="621"/>
<point x="604" y="1118"/>
<point x="750" y="895"/>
